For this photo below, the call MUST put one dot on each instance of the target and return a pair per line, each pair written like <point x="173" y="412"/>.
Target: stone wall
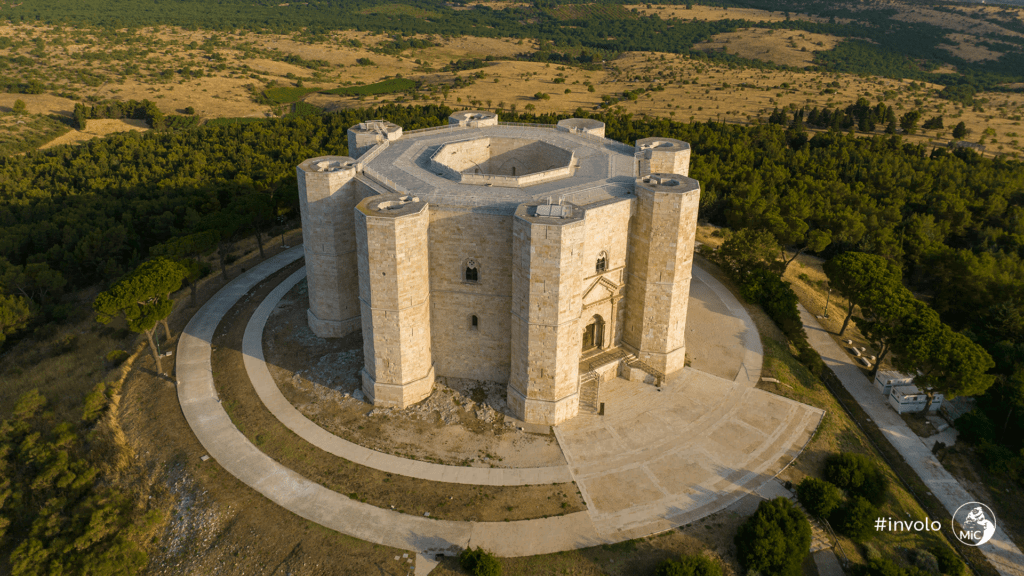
<point x="460" y="350"/>
<point x="328" y="193"/>
<point x="547" y="286"/>
<point x="394" y="294"/>
<point x="663" y="156"/>
<point x="661" y="256"/>
<point x="606" y="232"/>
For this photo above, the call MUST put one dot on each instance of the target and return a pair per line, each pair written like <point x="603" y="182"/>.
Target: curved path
<point x="755" y="434"/>
<point x="283" y="410"/>
<point x="240" y="458"/>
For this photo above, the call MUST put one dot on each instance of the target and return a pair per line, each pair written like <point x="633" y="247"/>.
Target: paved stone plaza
<point x="660" y="458"/>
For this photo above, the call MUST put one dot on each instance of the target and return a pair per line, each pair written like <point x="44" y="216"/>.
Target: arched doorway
<point x="593" y="334"/>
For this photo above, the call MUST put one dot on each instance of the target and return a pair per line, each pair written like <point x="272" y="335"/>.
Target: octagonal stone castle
<point x="526" y="254"/>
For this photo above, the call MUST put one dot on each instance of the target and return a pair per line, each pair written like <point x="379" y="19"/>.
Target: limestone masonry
<point x="535" y="255"/>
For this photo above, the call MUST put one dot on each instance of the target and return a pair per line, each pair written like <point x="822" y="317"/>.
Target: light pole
<point x="827" y="298"/>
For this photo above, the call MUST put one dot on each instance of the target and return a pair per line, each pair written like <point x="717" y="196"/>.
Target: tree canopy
<point x="143" y="298"/>
<point x="775" y="540"/>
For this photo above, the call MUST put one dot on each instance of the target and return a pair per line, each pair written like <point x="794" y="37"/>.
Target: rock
<point x="358" y="395"/>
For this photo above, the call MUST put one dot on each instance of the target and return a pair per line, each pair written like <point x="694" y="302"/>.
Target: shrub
<point x="855" y="518"/>
<point x="858" y="475"/>
<point x="975" y="427"/>
<point x="819" y="497"/>
<point x="116" y="357"/>
<point x="949" y="562"/>
<point x="479" y="562"/>
<point x="775" y="540"/>
<point x="689" y="566"/>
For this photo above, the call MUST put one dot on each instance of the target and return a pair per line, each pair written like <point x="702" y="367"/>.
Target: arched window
<point x="474" y="322"/>
<point x="602" y="262"/>
<point x="472" y="272"/>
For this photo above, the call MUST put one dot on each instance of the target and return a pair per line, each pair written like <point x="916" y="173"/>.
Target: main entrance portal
<point x="593" y="334"/>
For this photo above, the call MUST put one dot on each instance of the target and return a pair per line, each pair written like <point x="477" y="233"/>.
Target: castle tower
<point x="366" y="135"/>
<point x="662" y="156"/>
<point x="394" y="295"/>
<point x="581" y="126"/>
<point x="547" y="259"/>
<point x="327" y="196"/>
<point x="473" y="119"/>
<point x="660" y="259"/>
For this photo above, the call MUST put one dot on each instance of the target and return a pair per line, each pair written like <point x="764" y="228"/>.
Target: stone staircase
<point x="821" y="534"/>
<point x="633" y="362"/>
<point x="590" y="387"/>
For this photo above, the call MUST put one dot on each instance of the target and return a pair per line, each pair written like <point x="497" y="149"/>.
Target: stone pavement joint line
<point x="1000" y="551"/>
<point x="287" y="414"/>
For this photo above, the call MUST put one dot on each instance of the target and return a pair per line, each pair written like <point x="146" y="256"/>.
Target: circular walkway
<point x="283" y="410"/>
<point x="768" y="447"/>
<point x="240" y="458"/>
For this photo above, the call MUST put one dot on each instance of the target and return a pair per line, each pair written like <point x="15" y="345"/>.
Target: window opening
<point x="602" y="262"/>
<point x="474" y="322"/>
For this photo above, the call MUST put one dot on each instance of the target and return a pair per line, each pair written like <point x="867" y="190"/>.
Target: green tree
<point x="908" y="122"/>
<point x="689" y="566"/>
<point x="859" y="277"/>
<point x="187" y="250"/>
<point x="257" y="210"/>
<point x="855" y="518"/>
<point x="15" y="312"/>
<point x="960" y="131"/>
<point x="955" y="365"/>
<point x="775" y="540"/>
<point x="35" y="280"/>
<point x="898" y="322"/>
<point x="81" y="115"/>
<point x="225" y="225"/>
<point x="858" y="474"/>
<point x="479" y="562"/>
<point x="748" y="249"/>
<point x="819" y="497"/>
<point x="19" y="106"/>
<point x="144" y="299"/>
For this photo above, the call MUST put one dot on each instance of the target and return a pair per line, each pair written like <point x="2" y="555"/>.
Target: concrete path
<point x="721" y="338"/>
<point x="240" y="458"/>
<point x="827" y="563"/>
<point x="1000" y="551"/>
<point x="668" y="456"/>
<point x="283" y="410"/>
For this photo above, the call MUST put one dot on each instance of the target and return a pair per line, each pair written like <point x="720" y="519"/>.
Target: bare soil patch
<point x="462" y="423"/>
<point x="788" y="47"/>
<point x="408" y="495"/>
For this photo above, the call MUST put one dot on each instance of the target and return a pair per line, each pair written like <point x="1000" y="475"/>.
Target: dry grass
<point x="956" y="22"/>
<point x="789" y="47"/>
<point x="715" y="13"/>
<point x="97" y="129"/>
<point x="711" y="92"/>
<point x="965" y="48"/>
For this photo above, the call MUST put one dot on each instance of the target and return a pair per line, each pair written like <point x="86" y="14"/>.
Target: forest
<point x="953" y="221"/>
<point x="876" y="43"/>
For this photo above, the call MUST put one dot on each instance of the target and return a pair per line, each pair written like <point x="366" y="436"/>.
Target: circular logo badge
<point x="974" y="523"/>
